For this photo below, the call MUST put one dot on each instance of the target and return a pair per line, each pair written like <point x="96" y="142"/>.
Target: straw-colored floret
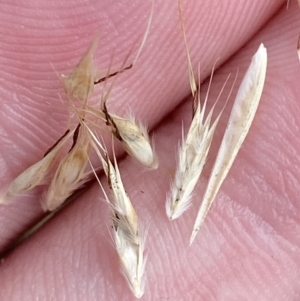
<point x="135" y="140"/>
<point x="71" y="173"/>
<point x="240" y="120"/>
<point x="128" y="241"/>
<point x="79" y="84"/>
<point x="127" y="235"/>
<point x="36" y="174"/>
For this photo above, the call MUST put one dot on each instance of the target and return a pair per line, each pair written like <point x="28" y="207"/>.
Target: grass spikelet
<point x="144" y="38"/>
<point x="36" y="174"/>
<point x="126" y="230"/>
<point x="134" y="139"/>
<point x="79" y="84"/>
<point x="240" y="120"/>
<point x="70" y="174"/>
<point x="132" y="134"/>
<point x="192" y="158"/>
<point x="194" y="149"/>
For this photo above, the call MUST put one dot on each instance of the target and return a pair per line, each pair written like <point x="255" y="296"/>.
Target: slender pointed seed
<point x="240" y="120"/>
<point x="35" y="175"/>
<point x="71" y="173"/>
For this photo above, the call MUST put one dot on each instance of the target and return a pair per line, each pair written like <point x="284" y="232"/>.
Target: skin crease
<point x="248" y="248"/>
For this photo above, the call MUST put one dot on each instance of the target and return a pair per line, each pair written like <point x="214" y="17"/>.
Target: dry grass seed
<point x="128" y="239"/>
<point x="79" y="84"/>
<point x="240" y="120"/>
<point x="36" y="174"/>
<point x="71" y="173"/>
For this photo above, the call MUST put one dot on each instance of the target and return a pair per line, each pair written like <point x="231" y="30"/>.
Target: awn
<point x="298" y="48"/>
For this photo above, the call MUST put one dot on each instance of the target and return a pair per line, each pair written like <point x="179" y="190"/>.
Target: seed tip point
<point x="193" y="236"/>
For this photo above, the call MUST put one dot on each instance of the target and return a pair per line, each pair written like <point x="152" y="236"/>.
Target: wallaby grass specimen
<point x="79" y="84"/>
<point x="72" y="173"/>
<point x="240" y="120"/>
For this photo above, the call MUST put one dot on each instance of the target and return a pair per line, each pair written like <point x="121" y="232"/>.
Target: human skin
<point x="248" y="247"/>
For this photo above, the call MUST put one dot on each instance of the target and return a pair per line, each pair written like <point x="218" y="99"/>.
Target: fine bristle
<point x="298" y="48"/>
